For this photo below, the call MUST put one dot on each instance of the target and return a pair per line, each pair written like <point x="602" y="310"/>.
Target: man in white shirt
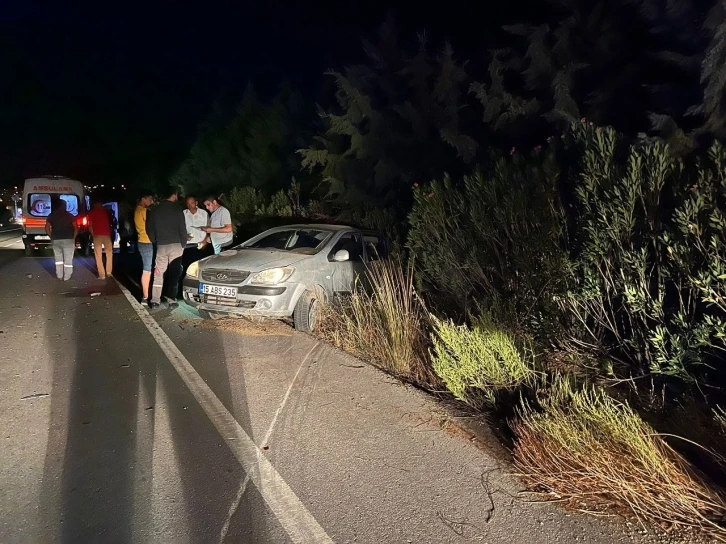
<point x="220" y="224"/>
<point x="195" y="218"/>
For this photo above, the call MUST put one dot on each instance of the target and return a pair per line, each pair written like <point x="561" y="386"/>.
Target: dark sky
<point x="81" y="87"/>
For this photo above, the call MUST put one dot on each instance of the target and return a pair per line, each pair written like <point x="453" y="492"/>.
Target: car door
<point x="343" y="275"/>
<point x="375" y="246"/>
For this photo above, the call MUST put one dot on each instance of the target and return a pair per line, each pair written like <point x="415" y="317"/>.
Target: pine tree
<point x="589" y="61"/>
<point x="399" y="119"/>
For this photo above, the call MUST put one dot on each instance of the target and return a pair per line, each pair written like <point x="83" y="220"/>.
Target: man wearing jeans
<point x="167" y="229"/>
<point x="62" y="229"/>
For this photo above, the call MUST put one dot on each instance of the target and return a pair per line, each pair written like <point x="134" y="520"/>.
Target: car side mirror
<point x="341" y="256"/>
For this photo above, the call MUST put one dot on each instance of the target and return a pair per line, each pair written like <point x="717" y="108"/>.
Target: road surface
<point x="121" y="427"/>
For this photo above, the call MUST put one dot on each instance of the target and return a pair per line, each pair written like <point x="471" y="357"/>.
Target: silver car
<point x="283" y="272"/>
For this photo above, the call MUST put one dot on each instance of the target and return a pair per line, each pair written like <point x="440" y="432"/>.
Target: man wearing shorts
<point x="146" y="248"/>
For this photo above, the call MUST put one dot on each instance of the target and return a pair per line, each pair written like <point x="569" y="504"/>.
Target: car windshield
<point x="297" y="240"/>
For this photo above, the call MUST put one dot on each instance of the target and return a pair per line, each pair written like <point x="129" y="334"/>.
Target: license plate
<point x="218" y="290"/>
<point x="42" y="237"/>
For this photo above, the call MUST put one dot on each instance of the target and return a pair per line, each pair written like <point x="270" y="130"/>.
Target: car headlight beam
<point x="272" y="276"/>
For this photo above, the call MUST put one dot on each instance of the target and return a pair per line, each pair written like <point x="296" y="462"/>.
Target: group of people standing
<point x="62" y="228"/>
<point x="169" y="240"/>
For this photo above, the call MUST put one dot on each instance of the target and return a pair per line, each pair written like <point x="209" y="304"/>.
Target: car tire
<point x="305" y="315"/>
<point x="206" y="314"/>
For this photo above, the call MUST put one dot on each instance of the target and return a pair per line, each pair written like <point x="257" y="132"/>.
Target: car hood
<point x="252" y="260"/>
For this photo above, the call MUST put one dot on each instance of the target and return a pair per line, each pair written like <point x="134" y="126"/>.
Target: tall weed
<point x="384" y="324"/>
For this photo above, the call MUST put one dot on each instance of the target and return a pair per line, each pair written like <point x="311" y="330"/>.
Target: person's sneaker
<point x="101" y="277"/>
<point x="145" y="303"/>
<point x="172" y="302"/>
<point x="154" y="305"/>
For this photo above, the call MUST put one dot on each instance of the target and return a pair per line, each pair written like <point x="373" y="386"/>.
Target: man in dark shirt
<point x="167" y="230"/>
<point x="62" y="229"/>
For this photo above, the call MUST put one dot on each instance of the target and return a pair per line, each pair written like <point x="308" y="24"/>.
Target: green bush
<point x="492" y="244"/>
<point x="243" y="203"/>
<point x="475" y="363"/>
<point x="648" y="285"/>
<point x="279" y="205"/>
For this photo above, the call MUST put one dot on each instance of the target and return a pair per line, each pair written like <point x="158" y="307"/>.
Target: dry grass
<point x="386" y="326"/>
<point x="597" y="454"/>
<point x="246" y="327"/>
<point x="719" y="414"/>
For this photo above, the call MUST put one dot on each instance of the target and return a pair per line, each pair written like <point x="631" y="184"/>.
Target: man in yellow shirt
<point x="146" y="248"/>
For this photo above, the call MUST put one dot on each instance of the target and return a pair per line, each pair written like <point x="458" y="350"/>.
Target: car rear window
<point x="39" y="204"/>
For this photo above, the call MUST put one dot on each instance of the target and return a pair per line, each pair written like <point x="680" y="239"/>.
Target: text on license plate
<point x="42" y="237"/>
<point x="218" y="290"/>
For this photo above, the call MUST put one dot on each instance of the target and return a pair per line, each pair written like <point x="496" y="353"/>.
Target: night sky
<point x="82" y="88"/>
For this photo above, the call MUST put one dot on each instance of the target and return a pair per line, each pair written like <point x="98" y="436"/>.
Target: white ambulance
<point x="38" y="195"/>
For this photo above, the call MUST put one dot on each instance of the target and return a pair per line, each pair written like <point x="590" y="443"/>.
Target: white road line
<point x="299" y="523"/>
<point x="15" y="241"/>
<point x="243" y="487"/>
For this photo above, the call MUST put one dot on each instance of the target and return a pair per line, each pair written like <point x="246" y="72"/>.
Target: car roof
<point x="320" y="226"/>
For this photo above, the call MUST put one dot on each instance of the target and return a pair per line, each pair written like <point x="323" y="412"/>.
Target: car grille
<point x="224" y="275"/>
<point x="224" y="301"/>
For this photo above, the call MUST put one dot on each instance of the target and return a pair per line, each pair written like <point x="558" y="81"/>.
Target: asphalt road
<point x="121" y="427"/>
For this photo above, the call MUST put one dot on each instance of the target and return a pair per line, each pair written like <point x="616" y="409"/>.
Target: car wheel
<point x="305" y="315"/>
<point x="206" y="314"/>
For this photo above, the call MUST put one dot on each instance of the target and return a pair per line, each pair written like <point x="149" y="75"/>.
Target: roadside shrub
<point x="491" y="244"/>
<point x="595" y="453"/>
<point x="279" y="205"/>
<point x="476" y="362"/>
<point x="243" y="203"/>
<point x="385" y="326"/>
<point x="648" y="285"/>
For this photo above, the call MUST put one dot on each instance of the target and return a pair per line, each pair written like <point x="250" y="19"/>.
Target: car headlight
<point x="272" y="275"/>
<point x="193" y="270"/>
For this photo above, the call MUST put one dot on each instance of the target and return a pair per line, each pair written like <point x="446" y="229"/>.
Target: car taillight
<point x="84" y="221"/>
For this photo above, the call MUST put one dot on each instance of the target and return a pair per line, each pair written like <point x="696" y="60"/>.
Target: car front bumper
<point x="276" y="301"/>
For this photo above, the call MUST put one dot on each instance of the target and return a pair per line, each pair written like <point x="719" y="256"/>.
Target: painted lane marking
<point x="297" y="521"/>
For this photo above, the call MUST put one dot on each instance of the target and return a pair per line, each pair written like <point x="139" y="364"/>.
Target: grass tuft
<point x="596" y="453"/>
<point x="719" y="414"/>
<point x="385" y="325"/>
<point x="475" y="363"/>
